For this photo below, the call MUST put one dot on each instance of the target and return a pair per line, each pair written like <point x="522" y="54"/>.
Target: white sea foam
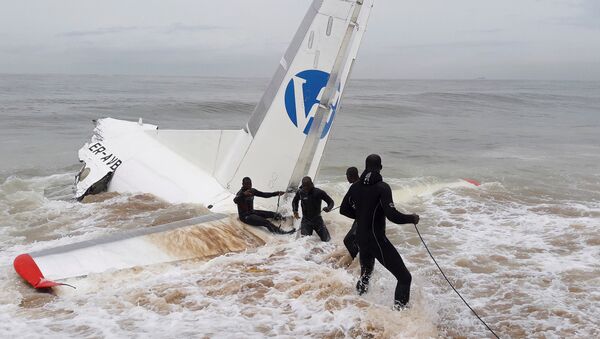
<point x="528" y="268"/>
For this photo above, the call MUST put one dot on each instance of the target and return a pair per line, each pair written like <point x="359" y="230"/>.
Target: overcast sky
<point x="418" y="39"/>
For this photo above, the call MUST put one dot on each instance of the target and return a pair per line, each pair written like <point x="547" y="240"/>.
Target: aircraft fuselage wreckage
<point x="282" y="142"/>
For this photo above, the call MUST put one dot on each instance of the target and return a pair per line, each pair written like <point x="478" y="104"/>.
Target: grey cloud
<point x="22" y="49"/>
<point x="179" y="27"/>
<point x="591" y="13"/>
<point x="99" y="31"/>
<point x="461" y="44"/>
<point x="157" y="61"/>
<point x="549" y="39"/>
<point x="169" y="29"/>
<point x="588" y="17"/>
<point x="483" y="31"/>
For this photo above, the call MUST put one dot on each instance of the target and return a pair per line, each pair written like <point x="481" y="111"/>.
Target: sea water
<point x="523" y="248"/>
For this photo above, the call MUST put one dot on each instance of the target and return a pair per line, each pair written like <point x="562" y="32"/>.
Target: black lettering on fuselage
<point x="115" y="165"/>
<point x="112" y="161"/>
<point x="109" y="159"/>
<point x="99" y="150"/>
<point x="94" y="146"/>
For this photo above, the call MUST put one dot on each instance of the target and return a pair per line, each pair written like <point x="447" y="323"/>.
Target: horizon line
<point x="265" y="77"/>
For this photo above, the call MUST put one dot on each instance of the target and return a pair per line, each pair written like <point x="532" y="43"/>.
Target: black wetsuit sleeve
<point x="325" y="197"/>
<point x="295" y="202"/>
<point x="387" y="203"/>
<point x="346" y="208"/>
<point x="260" y="194"/>
<point x="238" y="197"/>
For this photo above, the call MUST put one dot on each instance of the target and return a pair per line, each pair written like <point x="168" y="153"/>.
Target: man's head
<point x="307" y="184"/>
<point x="246" y="183"/>
<point x="373" y="163"/>
<point x="352" y="174"/>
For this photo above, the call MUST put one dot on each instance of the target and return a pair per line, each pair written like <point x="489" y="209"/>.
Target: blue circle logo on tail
<point x="302" y="97"/>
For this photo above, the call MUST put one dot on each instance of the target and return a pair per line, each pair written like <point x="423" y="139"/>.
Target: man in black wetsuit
<point x="248" y="215"/>
<point x="350" y="238"/>
<point x="310" y="198"/>
<point x="369" y="201"/>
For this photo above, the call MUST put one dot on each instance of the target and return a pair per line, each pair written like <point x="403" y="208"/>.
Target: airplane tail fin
<point x="290" y="126"/>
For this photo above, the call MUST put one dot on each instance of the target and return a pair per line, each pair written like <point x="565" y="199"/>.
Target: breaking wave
<point x="528" y="266"/>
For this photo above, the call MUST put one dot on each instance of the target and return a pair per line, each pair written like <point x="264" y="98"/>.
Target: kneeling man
<point x="310" y="198"/>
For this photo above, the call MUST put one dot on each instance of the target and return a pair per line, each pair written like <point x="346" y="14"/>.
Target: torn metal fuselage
<point x="176" y="166"/>
<point x="97" y="170"/>
<point x="99" y="159"/>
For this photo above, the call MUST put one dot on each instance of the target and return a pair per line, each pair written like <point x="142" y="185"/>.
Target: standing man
<point x="310" y="198"/>
<point x="248" y="215"/>
<point x="350" y="238"/>
<point x="370" y="202"/>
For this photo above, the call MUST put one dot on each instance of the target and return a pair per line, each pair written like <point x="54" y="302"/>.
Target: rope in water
<point x="449" y="283"/>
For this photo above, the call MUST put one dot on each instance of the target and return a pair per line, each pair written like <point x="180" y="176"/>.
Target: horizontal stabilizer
<point x="202" y="237"/>
<point x="29" y="270"/>
<point x="472" y="181"/>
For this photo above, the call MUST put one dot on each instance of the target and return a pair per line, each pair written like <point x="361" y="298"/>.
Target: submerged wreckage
<point x="282" y="142"/>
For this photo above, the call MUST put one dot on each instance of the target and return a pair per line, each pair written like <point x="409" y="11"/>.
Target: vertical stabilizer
<point x="291" y="124"/>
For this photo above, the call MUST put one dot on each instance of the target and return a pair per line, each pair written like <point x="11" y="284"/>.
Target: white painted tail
<point x="292" y="122"/>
